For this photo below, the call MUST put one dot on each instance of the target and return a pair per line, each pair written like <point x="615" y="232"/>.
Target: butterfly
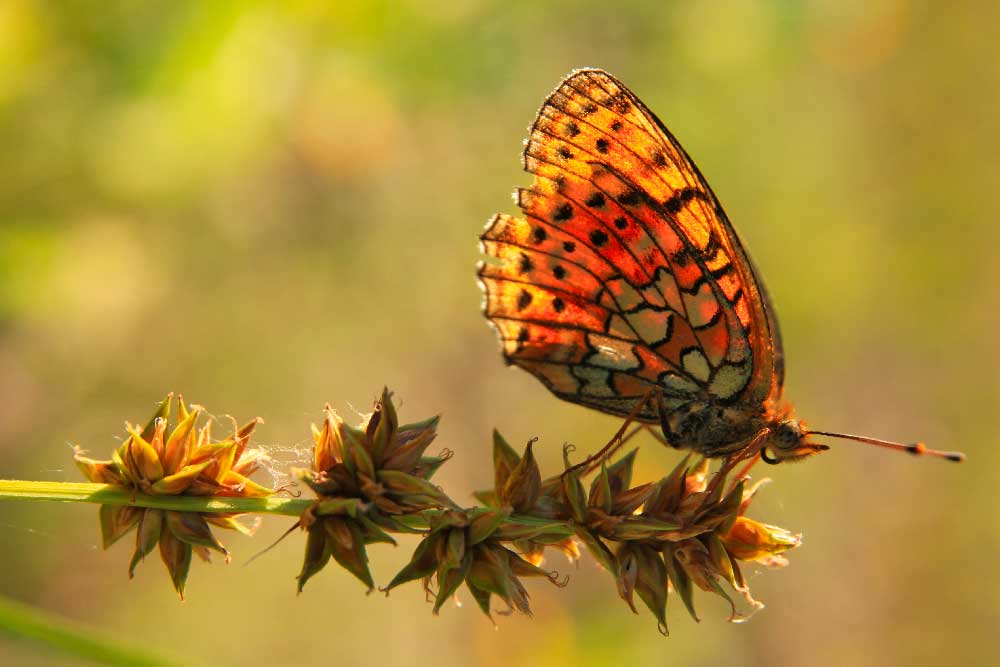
<point x="625" y="288"/>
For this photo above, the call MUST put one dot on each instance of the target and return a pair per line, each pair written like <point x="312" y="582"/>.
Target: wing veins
<point x="559" y="325"/>
<point x="685" y="168"/>
<point x="692" y="251"/>
<point x="561" y="258"/>
<point x="562" y="325"/>
<point x="666" y="215"/>
<point x="650" y="279"/>
<point x="695" y="255"/>
<point x="667" y="391"/>
<point x="558" y="291"/>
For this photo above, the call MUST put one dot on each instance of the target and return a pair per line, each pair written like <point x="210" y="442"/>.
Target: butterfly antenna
<point x="917" y="448"/>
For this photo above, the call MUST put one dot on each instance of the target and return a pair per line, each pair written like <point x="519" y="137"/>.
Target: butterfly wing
<point x="625" y="273"/>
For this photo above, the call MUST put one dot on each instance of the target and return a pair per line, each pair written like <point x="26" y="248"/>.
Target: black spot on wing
<point x="681" y="197"/>
<point x="524" y="300"/>
<point x="630" y="198"/>
<point x="563" y="212"/>
<point x="620" y="103"/>
<point x="598" y="237"/>
<point x="522" y="338"/>
<point x="525" y="264"/>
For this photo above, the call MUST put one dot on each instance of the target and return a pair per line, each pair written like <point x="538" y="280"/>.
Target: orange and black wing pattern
<point x="624" y="274"/>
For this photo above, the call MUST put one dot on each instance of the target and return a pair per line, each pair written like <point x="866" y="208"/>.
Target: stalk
<point x="106" y="494"/>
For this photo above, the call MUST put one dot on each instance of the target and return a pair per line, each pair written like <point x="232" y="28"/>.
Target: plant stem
<point x="29" y="624"/>
<point x="104" y="494"/>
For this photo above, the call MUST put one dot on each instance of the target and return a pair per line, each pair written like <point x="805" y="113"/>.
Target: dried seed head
<point x="174" y="458"/>
<point x="365" y="478"/>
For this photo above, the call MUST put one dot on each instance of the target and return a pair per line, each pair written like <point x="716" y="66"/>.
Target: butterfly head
<point x="789" y="441"/>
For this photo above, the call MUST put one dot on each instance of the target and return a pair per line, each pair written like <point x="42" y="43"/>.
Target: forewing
<point x="625" y="273"/>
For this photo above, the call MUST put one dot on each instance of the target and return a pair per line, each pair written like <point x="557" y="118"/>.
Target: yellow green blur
<point x="271" y="206"/>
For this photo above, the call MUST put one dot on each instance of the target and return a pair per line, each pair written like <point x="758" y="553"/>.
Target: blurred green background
<point x="268" y="207"/>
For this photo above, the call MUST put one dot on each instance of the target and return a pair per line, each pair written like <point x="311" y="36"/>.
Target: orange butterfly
<point x="626" y="289"/>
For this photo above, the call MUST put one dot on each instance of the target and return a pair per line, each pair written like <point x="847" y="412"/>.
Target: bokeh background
<point x="268" y="207"/>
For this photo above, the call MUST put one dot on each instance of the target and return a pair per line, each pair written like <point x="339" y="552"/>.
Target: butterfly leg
<point x="617" y="440"/>
<point x="631" y="434"/>
<point x="750" y="451"/>
<point x="745" y="470"/>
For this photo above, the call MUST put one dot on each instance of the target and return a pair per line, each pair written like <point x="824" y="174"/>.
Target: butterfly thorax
<point x="714" y="430"/>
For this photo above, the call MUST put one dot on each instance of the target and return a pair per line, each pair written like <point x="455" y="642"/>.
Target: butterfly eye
<point x="787" y="436"/>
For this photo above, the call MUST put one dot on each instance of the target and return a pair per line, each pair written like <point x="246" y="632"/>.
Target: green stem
<point x="28" y="624"/>
<point x="105" y="494"/>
